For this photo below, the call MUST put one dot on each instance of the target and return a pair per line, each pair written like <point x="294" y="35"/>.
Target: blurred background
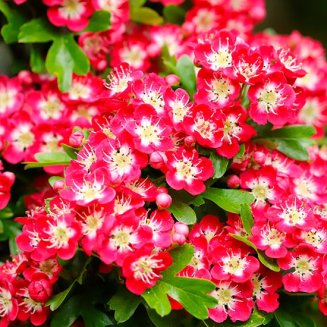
<point x="307" y="16"/>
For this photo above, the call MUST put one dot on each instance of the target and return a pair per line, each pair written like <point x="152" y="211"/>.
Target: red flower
<point x="142" y="269"/>
<point x="186" y="170"/>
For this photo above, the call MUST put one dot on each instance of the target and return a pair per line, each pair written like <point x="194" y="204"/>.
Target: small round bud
<point x="163" y="200"/>
<point x="181" y="228"/>
<point x="40" y="290"/>
<point x="172" y="79"/>
<point x="189" y="141"/>
<point x="157" y="159"/>
<point x="76" y="139"/>
<point x="179" y="239"/>
<point x="233" y="181"/>
<point x="58" y="185"/>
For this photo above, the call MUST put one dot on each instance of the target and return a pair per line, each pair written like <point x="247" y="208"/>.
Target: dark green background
<point x="307" y="16"/>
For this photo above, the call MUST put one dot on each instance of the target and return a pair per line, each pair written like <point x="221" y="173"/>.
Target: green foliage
<point x="182" y="212"/>
<point x="37" y="30"/>
<point x="220" y="164"/>
<point x="192" y="293"/>
<point x="124" y="303"/>
<point x="290" y="140"/>
<point x="48" y="159"/>
<point x="15" y="19"/>
<point x="174" y="14"/>
<point x="228" y="199"/>
<point x="64" y="58"/>
<point x="99" y="22"/>
<point x="144" y="15"/>
<point x="186" y="72"/>
<point x="246" y="217"/>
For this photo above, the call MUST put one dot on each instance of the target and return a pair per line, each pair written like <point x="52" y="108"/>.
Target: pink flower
<point x="233" y="302"/>
<point x="305" y="275"/>
<point x="272" y="100"/>
<point x="142" y="269"/>
<point x="6" y="181"/>
<point x="74" y="14"/>
<point x="186" y="170"/>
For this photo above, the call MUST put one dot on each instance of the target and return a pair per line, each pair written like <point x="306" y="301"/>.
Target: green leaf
<point x="6" y="213"/>
<point x="37" y="60"/>
<point x="182" y="212"/>
<point x="186" y="71"/>
<point x="136" y="3"/>
<point x="293" y="148"/>
<point x="15" y="19"/>
<point x="220" y="164"/>
<point x="124" y="304"/>
<point x="156" y="298"/>
<point x="181" y="256"/>
<point x="99" y="22"/>
<point x="291" y="132"/>
<point x="48" y="159"/>
<point x="53" y="179"/>
<point x="266" y="261"/>
<point x="72" y="152"/>
<point x="145" y="15"/>
<point x="290" y="140"/>
<point x="284" y="319"/>
<point x="174" y="14"/>
<point x="65" y="57"/>
<point x="192" y="293"/>
<point x="241" y="152"/>
<point x="67" y="314"/>
<point x="246" y="217"/>
<point x="37" y="30"/>
<point x="94" y="317"/>
<point x="56" y="301"/>
<point x="228" y="199"/>
<point x="52" y="157"/>
<point x="1" y="227"/>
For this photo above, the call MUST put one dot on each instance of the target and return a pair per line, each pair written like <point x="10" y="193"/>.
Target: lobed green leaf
<point x="182" y="212"/>
<point x="228" y="199"/>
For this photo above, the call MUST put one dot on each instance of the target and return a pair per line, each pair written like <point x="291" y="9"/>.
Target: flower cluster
<point x="141" y="143"/>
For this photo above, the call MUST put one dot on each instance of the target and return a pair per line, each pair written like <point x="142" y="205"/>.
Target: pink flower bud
<point x="76" y="139"/>
<point x="157" y="160"/>
<point x="179" y="239"/>
<point x="233" y="181"/>
<point x="259" y="157"/>
<point x="58" y="185"/>
<point x="162" y="189"/>
<point x="40" y="290"/>
<point x="189" y="141"/>
<point x="172" y="79"/>
<point x="181" y="228"/>
<point x="163" y="200"/>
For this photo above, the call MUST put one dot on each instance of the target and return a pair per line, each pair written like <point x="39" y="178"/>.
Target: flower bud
<point x="163" y="200"/>
<point x="157" y="160"/>
<point x="172" y="79"/>
<point x="233" y="181"/>
<point x="58" y="185"/>
<point x="76" y="139"/>
<point x="40" y="290"/>
<point x="179" y="239"/>
<point x="189" y="141"/>
<point x="181" y="228"/>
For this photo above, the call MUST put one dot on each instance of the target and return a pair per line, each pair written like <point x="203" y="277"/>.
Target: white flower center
<point x="143" y="268"/>
<point x="5" y="302"/>
<point x="71" y="9"/>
